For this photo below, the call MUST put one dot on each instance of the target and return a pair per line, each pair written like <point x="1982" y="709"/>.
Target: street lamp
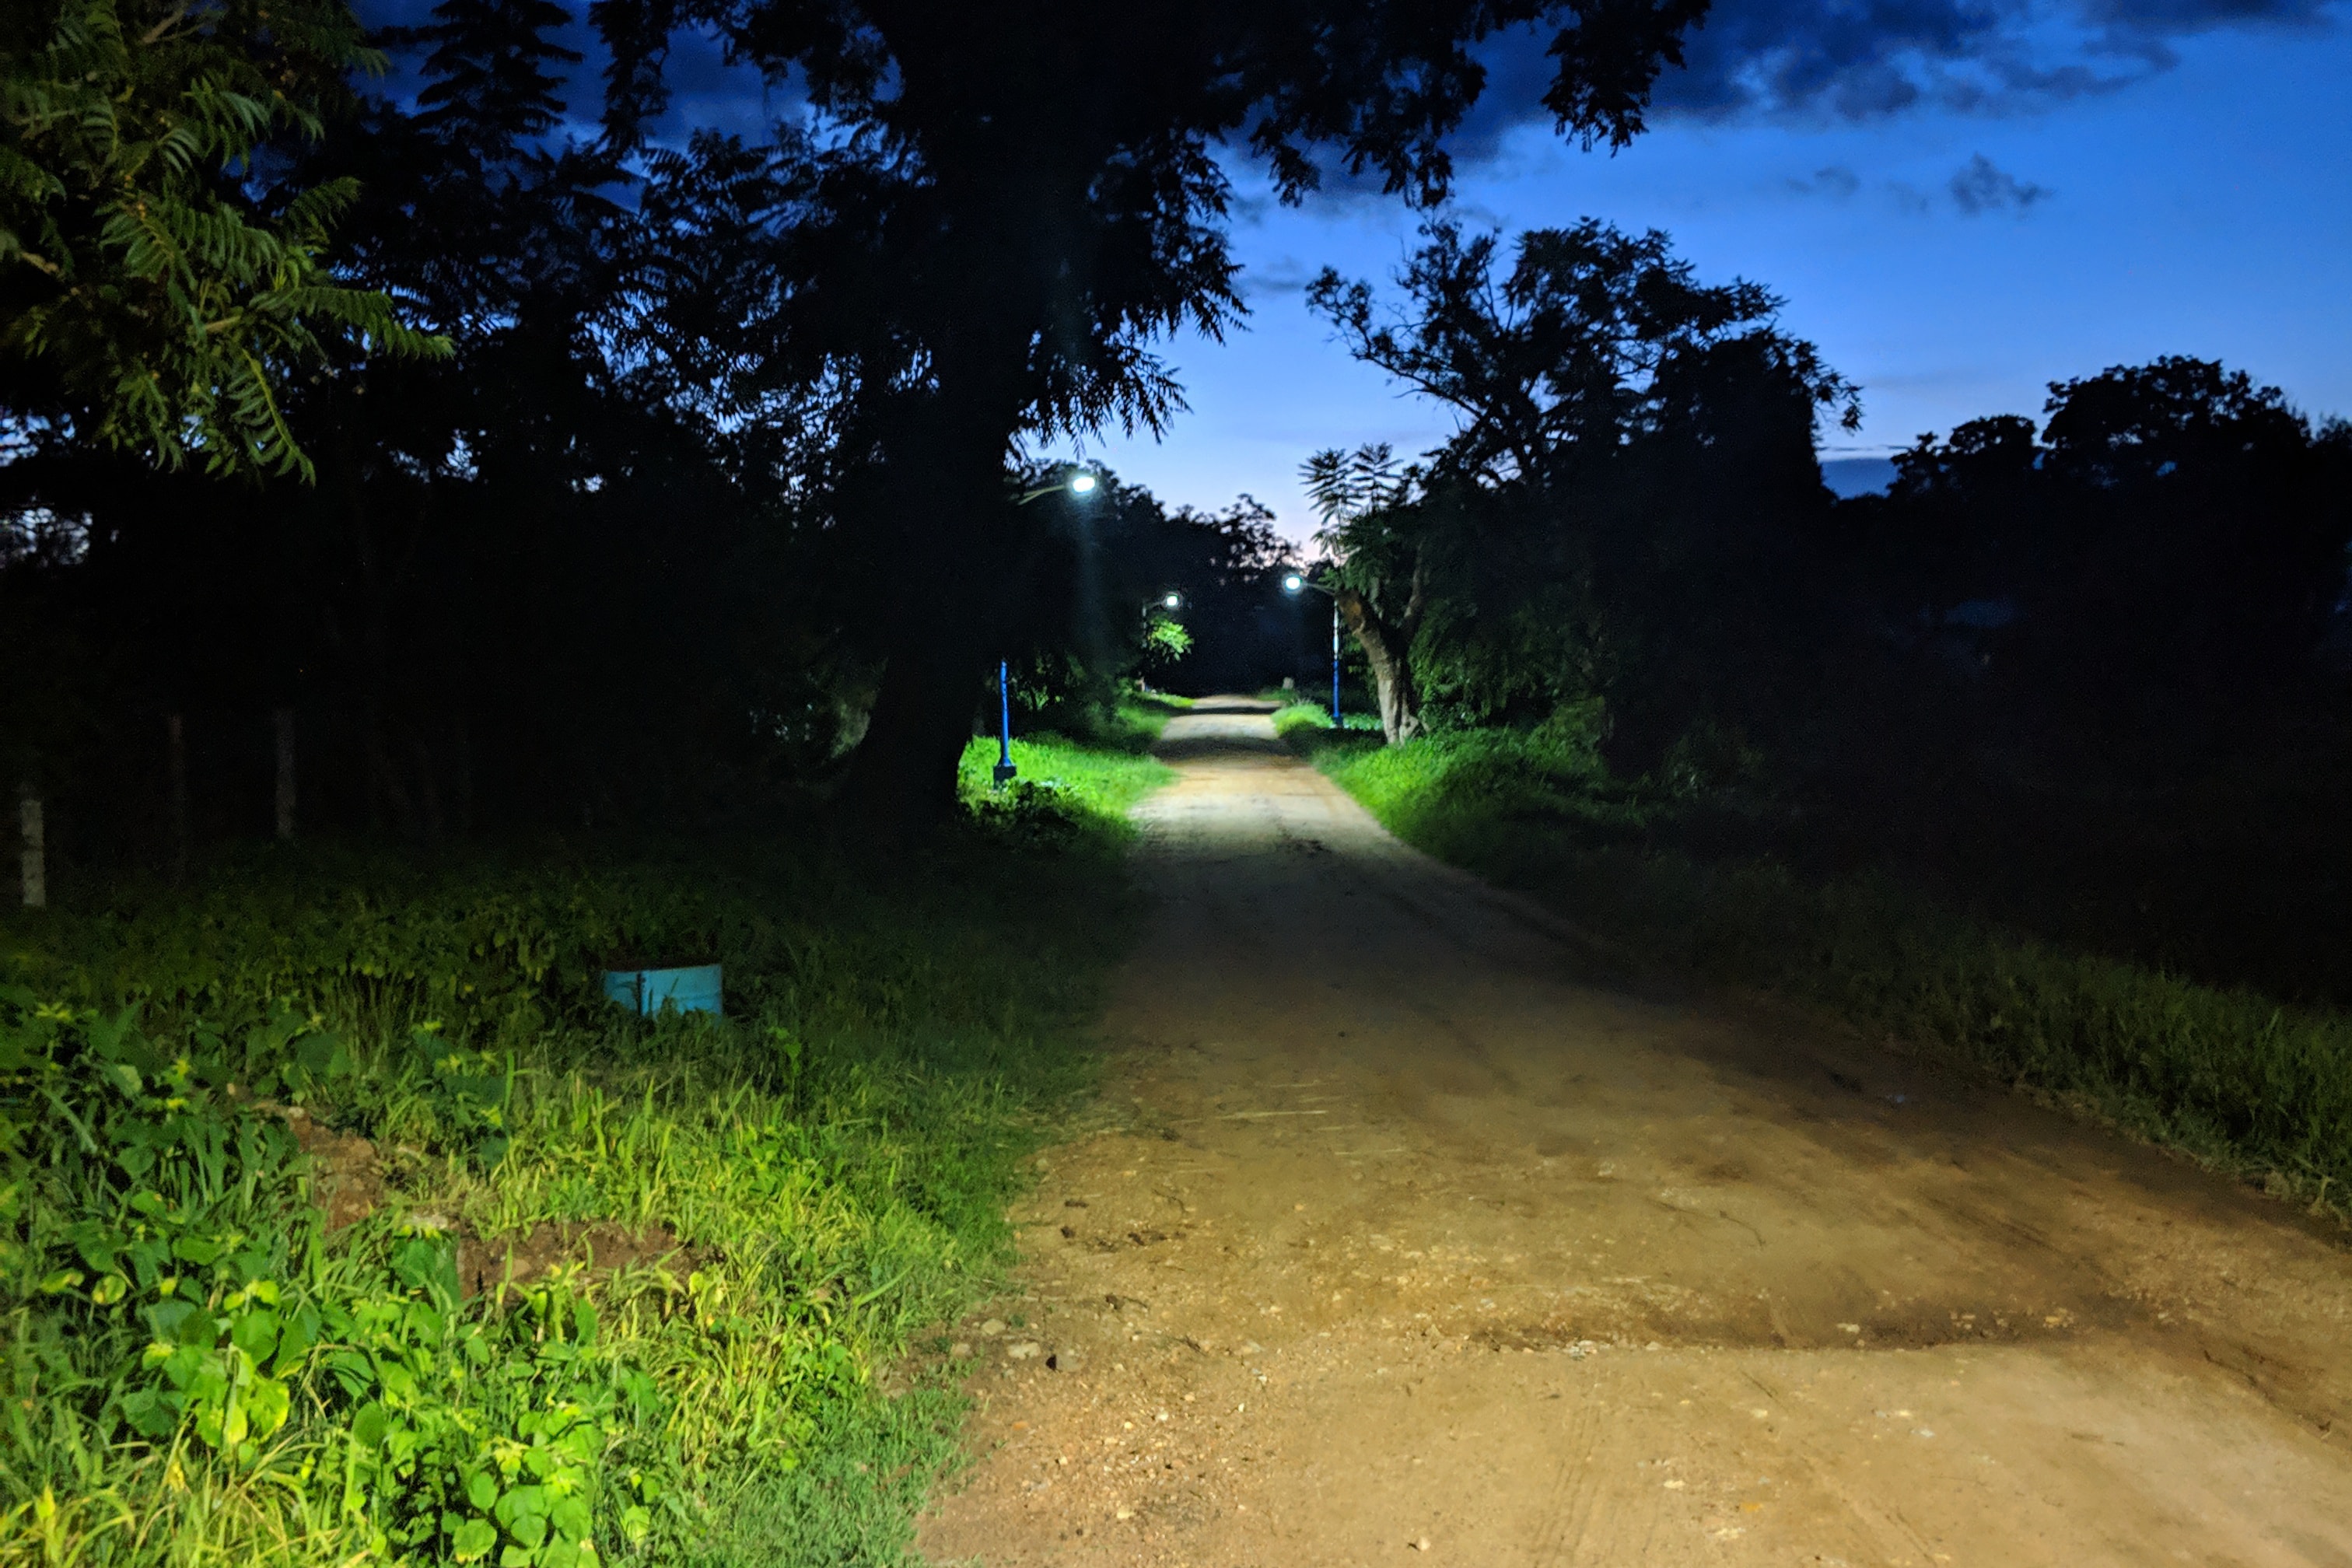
<point x="1297" y="583"/>
<point x="1081" y="482"/>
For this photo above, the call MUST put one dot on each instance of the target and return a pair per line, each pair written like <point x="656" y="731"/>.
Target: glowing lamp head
<point x="1173" y="600"/>
<point x="1081" y="484"/>
<point x="1292" y="583"/>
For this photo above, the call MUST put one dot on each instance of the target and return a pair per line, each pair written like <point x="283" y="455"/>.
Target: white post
<point x="35" y="861"/>
<point x="286" y="773"/>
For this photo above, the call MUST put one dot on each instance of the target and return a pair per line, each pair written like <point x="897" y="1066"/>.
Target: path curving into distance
<point x="1408" y="1232"/>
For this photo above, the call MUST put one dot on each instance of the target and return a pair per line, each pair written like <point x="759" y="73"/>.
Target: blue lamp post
<point x="1004" y="768"/>
<point x="1297" y="583"/>
<point x="1079" y="483"/>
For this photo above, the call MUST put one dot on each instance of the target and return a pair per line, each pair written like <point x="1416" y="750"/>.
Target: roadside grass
<point x="1293" y="717"/>
<point x="1066" y="786"/>
<point x="1127" y="726"/>
<point x="1138" y="718"/>
<point x="2231" y="1077"/>
<point x="618" y="1289"/>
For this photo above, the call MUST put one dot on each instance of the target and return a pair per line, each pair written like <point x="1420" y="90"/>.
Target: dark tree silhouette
<point x="2194" y="547"/>
<point x="1631" y="504"/>
<point x="1970" y="505"/>
<point x="1027" y="196"/>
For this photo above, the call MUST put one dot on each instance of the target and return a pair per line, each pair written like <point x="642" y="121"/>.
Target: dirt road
<point x="1410" y="1236"/>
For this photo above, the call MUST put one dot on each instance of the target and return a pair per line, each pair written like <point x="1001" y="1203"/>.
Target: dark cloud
<point x="1857" y="59"/>
<point x="1863" y="60"/>
<point x="1836" y="181"/>
<point x="1285" y="275"/>
<point x="1980" y="187"/>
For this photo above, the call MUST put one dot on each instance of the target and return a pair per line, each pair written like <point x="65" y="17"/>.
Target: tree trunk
<point x="945" y="490"/>
<point x="1387" y="650"/>
<point x="903" y="776"/>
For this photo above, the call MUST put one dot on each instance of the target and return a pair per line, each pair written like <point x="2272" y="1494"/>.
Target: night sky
<point x="1960" y="202"/>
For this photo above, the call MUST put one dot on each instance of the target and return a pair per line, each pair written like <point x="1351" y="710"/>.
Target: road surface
<point x="1408" y="1232"/>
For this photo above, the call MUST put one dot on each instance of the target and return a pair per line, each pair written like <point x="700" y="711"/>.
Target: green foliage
<point x="1138" y="719"/>
<point x="2227" y="1074"/>
<point x="1165" y="642"/>
<point x="466" y="1090"/>
<point x="174" y="1296"/>
<point x="140" y="280"/>
<point x="196" y="1370"/>
<point x="496" y="952"/>
<point x="1073" y="785"/>
<point x="1293" y="717"/>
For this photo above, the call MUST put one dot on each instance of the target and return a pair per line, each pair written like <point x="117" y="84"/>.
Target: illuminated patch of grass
<point x="1302" y="719"/>
<point x="1082" y="786"/>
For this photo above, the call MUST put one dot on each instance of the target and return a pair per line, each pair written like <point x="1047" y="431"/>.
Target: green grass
<point x="1077" y="783"/>
<point x="832" y="1161"/>
<point x="2227" y="1074"/>
<point x="1293" y="718"/>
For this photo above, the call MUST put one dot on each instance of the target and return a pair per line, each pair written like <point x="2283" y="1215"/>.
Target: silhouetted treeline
<point x="781" y="376"/>
<point x="622" y="557"/>
<point x="1630" y="514"/>
<point x="1631" y="520"/>
<point x="2146" y="578"/>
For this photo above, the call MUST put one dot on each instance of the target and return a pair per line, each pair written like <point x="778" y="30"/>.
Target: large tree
<point x="1377" y="520"/>
<point x="1625" y="508"/>
<point x="1018" y="199"/>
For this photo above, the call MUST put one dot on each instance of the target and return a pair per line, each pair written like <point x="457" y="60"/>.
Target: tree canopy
<point x="157" y="283"/>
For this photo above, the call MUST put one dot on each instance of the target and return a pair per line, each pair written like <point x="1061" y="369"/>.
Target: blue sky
<point x="2197" y="202"/>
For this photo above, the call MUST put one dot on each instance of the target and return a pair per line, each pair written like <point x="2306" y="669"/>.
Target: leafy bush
<point x="193" y="1343"/>
<point x="1089" y="782"/>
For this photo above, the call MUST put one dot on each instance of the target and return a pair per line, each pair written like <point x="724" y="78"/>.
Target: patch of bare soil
<point x="347" y="1181"/>
<point x="1409" y="1234"/>
<point x="529" y="1257"/>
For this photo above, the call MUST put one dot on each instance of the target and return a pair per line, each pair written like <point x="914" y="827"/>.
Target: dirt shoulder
<point x="1409" y="1234"/>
